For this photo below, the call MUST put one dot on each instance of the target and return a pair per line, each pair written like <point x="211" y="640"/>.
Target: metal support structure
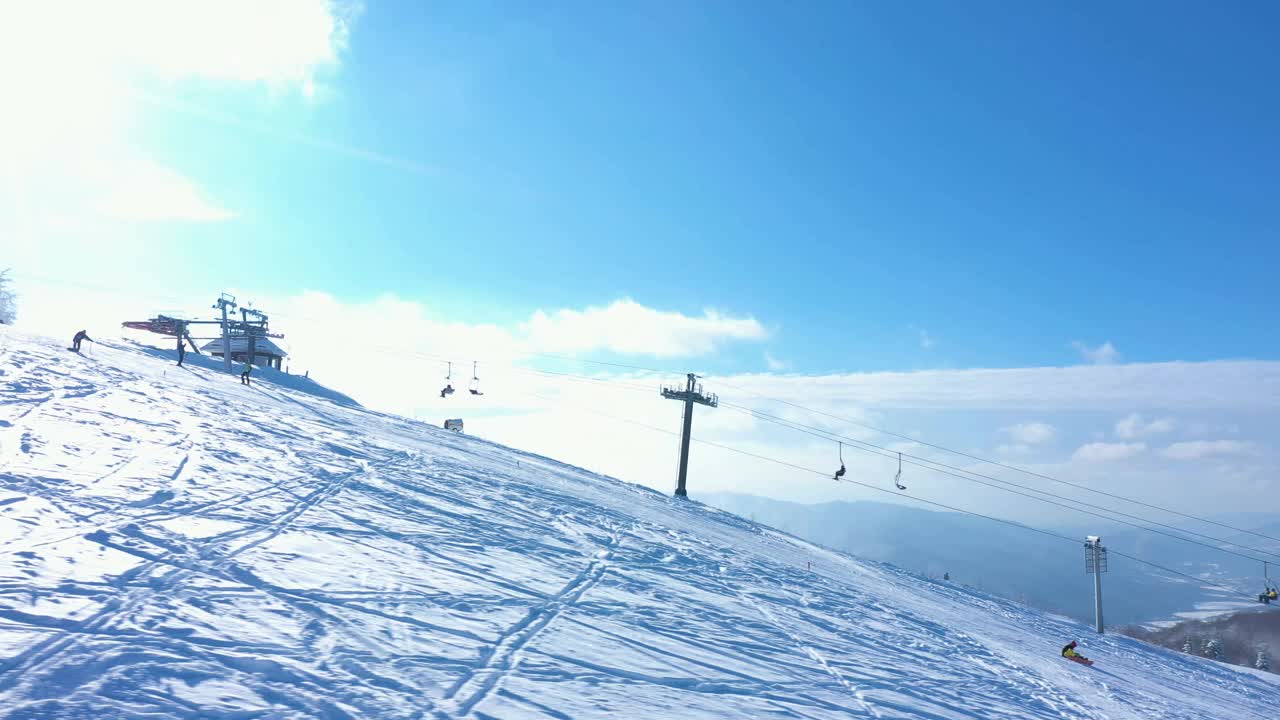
<point x="1095" y="563"/>
<point x="252" y="332"/>
<point x="691" y="393"/>
<point x="224" y="302"/>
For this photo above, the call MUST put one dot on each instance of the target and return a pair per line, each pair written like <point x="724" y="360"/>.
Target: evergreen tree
<point x="8" y="301"/>
<point x="1187" y="647"/>
<point x="1213" y="649"/>
<point x="1263" y="662"/>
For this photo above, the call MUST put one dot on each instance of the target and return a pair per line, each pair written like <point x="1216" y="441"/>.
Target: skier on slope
<point x="79" y="338"/>
<point x="244" y="374"/>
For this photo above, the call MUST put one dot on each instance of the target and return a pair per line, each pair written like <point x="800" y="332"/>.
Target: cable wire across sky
<point x="914" y="497"/>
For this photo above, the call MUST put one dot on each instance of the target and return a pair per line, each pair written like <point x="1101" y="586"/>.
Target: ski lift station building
<point x="265" y="352"/>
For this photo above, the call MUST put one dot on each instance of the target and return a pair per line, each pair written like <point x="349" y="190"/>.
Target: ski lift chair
<point x="1269" y="589"/>
<point x="447" y="390"/>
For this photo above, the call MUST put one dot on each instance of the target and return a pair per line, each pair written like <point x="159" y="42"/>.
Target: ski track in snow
<point x="504" y="656"/>
<point x="175" y="545"/>
<point x="818" y="658"/>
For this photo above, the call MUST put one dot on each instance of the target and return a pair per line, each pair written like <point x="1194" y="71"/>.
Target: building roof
<point x="240" y="344"/>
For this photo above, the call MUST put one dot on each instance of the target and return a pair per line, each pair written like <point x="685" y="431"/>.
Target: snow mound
<point x="176" y="545"/>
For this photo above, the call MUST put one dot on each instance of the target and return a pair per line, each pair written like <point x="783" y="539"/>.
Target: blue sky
<point x="1008" y="179"/>
<point x="847" y="187"/>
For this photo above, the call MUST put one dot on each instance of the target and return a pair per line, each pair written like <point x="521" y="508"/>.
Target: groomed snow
<point x="175" y="545"/>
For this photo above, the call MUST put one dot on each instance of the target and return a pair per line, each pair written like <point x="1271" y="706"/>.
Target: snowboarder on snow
<point x="79" y="338"/>
<point x="1070" y="653"/>
<point x="244" y="374"/>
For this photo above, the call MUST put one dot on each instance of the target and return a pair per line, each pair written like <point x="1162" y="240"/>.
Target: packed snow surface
<point x="176" y="545"/>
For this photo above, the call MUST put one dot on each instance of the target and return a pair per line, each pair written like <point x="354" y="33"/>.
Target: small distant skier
<point x="244" y="374"/>
<point x="182" y="352"/>
<point x="79" y="338"/>
<point x="946" y="576"/>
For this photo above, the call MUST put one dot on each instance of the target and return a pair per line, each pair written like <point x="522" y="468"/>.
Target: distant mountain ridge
<point x="1016" y="563"/>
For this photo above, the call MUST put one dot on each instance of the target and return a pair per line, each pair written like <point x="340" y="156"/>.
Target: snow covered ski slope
<point x="175" y="545"/>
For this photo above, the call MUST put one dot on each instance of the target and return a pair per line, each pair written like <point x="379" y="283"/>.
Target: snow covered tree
<point x="8" y="301"/>
<point x="1186" y="647"/>
<point x="1213" y="649"/>
<point x="1263" y="662"/>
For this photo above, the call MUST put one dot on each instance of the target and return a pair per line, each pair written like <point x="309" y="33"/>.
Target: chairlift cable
<point x="996" y="463"/>
<point x="915" y="498"/>
<point x="951" y="471"/>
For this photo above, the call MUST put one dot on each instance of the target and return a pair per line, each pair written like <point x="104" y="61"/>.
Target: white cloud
<point x="390" y="355"/>
<point x="1197" y="449"/>
<point x="1135" y="426"/>
<point x="71" y="71"/>
<point x="774" y="363"/>
<point x="1233" y="385"/>
<point x="1032" y="433"/>
<point x="628" y="327"/>
<point x="1104" y="354"/>
<point x="148" y="191"/>
<point x="281" y="43"/>
<point x="1107" y="452"/>
<point x="405" y="339"/>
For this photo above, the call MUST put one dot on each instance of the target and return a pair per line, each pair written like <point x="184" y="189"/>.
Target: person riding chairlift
<point x="447" y="391"/>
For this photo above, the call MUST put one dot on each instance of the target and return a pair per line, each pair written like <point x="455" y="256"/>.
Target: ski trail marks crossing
<point x="505" y="655"/>
<point x="31" y="667"/>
